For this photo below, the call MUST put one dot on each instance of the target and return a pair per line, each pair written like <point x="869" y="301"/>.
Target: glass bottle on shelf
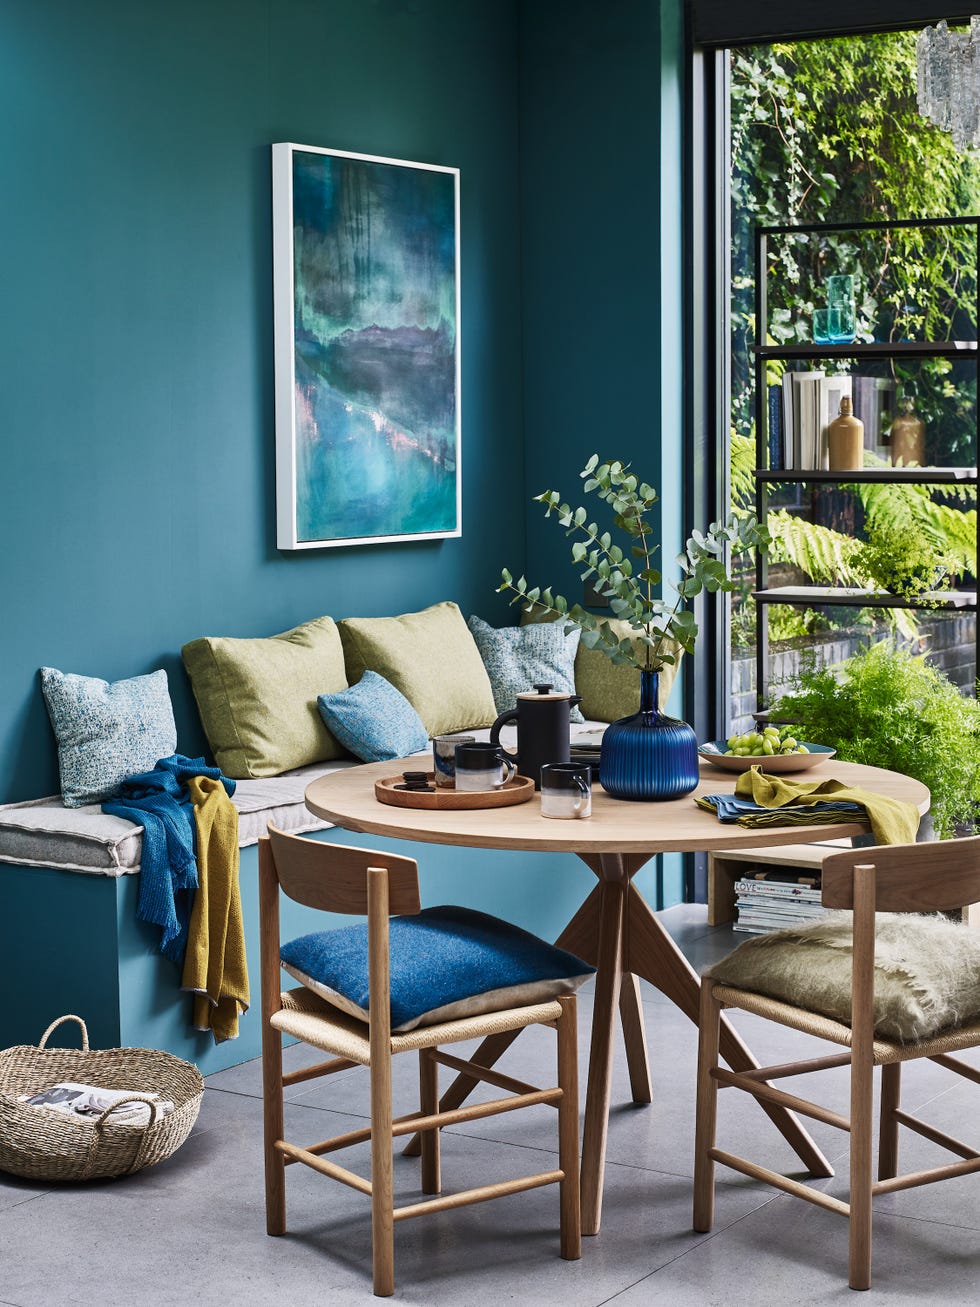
<point x="908" y="435"/>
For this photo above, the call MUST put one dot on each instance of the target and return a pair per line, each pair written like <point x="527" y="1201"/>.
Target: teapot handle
<point x="502" y="720"/>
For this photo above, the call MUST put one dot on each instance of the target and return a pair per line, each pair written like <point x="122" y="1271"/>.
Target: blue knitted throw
<point x="159" y="801"/>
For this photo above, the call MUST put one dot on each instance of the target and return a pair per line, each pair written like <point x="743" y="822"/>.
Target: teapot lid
<point x="543" y="692"/>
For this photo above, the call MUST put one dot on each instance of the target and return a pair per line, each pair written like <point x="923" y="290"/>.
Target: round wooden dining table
<point x="614" y="928"/>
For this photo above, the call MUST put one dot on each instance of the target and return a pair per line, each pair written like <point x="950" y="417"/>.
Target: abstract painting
<point x="366" y="284"/>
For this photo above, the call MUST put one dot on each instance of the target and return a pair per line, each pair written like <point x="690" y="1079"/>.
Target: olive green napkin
<point x="893" y="821"/>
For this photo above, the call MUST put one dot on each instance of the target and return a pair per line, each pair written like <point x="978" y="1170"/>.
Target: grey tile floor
<point x="191" y="1230"/>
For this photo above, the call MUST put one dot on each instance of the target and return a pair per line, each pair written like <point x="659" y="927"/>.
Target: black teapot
<point x="543" y="729"/>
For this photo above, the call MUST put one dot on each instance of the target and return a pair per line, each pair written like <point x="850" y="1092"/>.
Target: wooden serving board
<point x="518" y="790"/>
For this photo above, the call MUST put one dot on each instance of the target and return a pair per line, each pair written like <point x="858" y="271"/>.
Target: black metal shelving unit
<point x="824" y="596"/>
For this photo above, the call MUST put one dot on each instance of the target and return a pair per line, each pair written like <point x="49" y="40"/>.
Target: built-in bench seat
<point x="67" y="880"/>
<point x="44" y="833"/>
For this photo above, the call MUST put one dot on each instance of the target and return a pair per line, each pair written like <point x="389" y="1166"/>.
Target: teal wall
<point x="137" y="497"/>
<point x="602" y="272"/>
<point x="137" y="500"/>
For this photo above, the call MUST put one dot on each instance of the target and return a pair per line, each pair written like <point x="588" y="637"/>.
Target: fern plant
<point x="900" y="559"/>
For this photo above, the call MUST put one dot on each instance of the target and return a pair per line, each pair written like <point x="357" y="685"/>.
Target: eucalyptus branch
<point x="658" y="630"/>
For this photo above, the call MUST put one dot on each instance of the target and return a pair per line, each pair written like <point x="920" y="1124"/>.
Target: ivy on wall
<point x="828" y="131"/>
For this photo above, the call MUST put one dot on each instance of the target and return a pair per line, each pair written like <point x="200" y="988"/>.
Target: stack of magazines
<point x="773" y="898"/>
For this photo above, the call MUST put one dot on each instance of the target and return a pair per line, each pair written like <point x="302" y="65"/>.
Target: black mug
<point x="482" y="767"/>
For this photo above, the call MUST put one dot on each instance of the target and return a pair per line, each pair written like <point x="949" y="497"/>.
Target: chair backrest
<point x="334" y="877"/>
<point x="935" y="877"/>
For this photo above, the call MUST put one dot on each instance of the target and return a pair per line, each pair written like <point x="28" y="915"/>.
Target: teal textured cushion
<point x="107" y="731"/>
<point x="373" y="720"/>
<point x="518" y="658"/>
<point x="446" y="962"/>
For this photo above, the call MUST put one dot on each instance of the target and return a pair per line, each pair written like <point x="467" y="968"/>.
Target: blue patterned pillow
<point x="107" y="731"/>
<point x="373" y="720"/>
<point x="519" y="657"/>
<point x="446" y="963"/>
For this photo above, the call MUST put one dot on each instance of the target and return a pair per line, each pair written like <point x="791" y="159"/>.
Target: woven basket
<point x="42" y="1145"/>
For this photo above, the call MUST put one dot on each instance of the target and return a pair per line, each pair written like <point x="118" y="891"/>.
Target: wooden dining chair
<point x="890" y="989"/>
<point x="362" y="987"/>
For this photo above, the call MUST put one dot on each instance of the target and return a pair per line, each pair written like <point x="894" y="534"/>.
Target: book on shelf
<point x="776" y="454"/>
<point x="806" y="434"/>
<point x="789" y="422"/>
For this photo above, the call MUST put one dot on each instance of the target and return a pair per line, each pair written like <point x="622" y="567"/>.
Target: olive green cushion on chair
<point x="429" y="656"/>
<point x="610" y="691"/>
<point x="258" y="697"/>
<point x="927" y="971"/>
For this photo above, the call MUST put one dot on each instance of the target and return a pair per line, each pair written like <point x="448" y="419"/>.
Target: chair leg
<point x="859" y="1224"/>
<point x="272" y="1113"/>
<point x="568" y="1158"/>
<point x="429" y="1104"/>
<point x="891" y="1094"/>
<point x="382" y="1179"/>
<point x="709" y="1024"/>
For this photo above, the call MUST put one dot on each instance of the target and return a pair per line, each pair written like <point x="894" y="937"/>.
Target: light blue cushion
<point x="518" y="658"/>
<point x="107" y="731"/>
<point x="446" y="963"/>
<point x="373" y="720"/>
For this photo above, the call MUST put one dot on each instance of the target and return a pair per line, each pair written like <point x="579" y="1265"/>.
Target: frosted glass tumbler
<point x="840" y="291"/>
<point x="821" y="326"/>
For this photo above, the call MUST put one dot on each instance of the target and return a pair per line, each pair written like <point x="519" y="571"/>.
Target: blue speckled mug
<point x="444" y="757"/>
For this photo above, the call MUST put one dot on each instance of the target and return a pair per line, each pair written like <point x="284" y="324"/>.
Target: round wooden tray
<point x="518" y="790"/>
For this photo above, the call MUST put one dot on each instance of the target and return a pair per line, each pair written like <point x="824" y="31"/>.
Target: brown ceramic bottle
<point x="845" y="439"/>
<point x="908" y="436"/>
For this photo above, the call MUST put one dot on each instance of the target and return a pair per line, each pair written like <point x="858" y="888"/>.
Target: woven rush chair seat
<point x="455" y="975"/>
<point x="311" y="1019"/>
<point x="889" y="978"/>
<point x="883" y="1051"/>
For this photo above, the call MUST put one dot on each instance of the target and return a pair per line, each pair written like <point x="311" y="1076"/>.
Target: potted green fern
<point x="887" y="707"/>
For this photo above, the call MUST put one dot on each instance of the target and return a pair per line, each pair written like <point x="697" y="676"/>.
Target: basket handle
<point x="55" y="1024"/>
<point x="156" y="1109"/>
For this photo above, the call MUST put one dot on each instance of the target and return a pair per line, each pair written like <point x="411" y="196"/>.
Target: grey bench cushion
<point x="44" y="833"/>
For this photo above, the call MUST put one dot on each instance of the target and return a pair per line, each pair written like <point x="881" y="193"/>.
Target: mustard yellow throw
<point x="893" y="821"/>
<point x="214" y="964"/>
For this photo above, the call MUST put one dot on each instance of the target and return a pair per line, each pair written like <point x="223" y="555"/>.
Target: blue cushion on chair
<point x="446" y="962"/>
<point x="373" y="720"/>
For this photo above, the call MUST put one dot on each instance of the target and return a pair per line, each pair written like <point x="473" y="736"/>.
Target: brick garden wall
<point x="949" y="639"/>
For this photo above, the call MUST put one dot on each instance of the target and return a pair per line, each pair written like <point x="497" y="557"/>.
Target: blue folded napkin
<point x="730" y="807"/>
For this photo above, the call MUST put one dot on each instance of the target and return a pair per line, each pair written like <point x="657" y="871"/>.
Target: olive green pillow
<point x="609" y="690"/>
<point x="257" y="698"/>
<point x="431" y="657"/>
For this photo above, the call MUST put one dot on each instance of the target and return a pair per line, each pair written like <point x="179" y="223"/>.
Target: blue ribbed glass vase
<point x="648" y="755"/>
